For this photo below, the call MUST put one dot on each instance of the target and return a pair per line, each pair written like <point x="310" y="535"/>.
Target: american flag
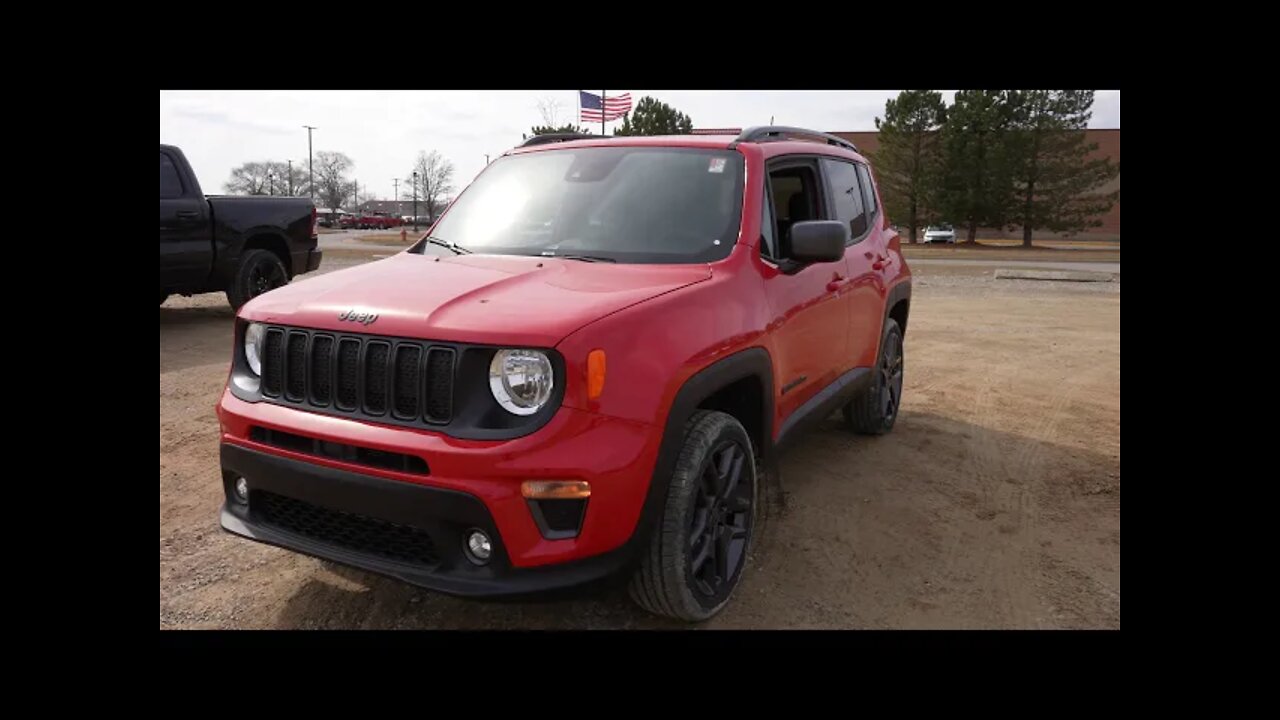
<point x="614" y="106"/>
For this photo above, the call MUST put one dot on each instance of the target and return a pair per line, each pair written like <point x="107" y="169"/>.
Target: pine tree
<point x="548" y="129"/>
<point x="907" y="160"/>
<point x="976" y="188"/>
<point x="1056" y="184"/>
<point x="652" y="117"/>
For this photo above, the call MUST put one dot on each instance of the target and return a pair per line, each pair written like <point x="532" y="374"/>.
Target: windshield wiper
<point x="584" y="258"/>
<point x="457" y="249"/>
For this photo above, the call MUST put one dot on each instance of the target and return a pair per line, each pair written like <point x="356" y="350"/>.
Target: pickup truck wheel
<point x="874" y="411"/>
<point x="259" y="271"/>
<point x="698" y="550"/>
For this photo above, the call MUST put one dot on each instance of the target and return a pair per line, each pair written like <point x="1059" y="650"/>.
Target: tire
<point x="875" y="409"/>
<point x="715" y="486"/>
<point x="259" y="272"/>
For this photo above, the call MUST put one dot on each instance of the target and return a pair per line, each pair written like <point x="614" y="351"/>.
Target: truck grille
<point x="409" y="380"/>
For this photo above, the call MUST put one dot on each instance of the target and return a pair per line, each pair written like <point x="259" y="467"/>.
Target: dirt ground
<point x="994" y="503"/>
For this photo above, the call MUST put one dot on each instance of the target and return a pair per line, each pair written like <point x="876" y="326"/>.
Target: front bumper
<point x="470" y="484"/>
<point x="445" y="515"/>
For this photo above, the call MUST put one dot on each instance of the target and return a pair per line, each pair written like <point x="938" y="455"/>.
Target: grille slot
<point x="348" y="373"/>
<point x="410" y="380"/>
<point x="360" y="533"/>
<point x="295" y="374"/>
<point x="322" y="369"/>
<point x="439" y="384"/>
<point x="375" y="377"/>
<point x="407" y="382"/>
<point x="273" y="363"/>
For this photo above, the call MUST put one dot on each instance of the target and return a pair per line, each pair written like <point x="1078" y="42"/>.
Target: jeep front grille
<point x="408" y="380"/>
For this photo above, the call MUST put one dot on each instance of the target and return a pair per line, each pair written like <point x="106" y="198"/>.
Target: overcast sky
<point x="382" y="131"/>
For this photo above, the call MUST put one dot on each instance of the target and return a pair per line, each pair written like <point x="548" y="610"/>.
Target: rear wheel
<point x="260" y="271"/>
<point x="698" y="551"/>
<point x="875" y="409"/>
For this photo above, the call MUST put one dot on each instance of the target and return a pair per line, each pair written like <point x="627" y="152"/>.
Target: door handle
<point x="187" y="214"/>
<point x="836" y="283"/>
<point x="881" y="262"/>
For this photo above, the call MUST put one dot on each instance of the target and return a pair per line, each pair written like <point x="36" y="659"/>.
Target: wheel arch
<point x="711" y="388"/>
<point x="271" y="242"/>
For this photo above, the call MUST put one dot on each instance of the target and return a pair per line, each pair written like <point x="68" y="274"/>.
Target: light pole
<point x="311" y="174"/>
<point x="396" y="195"/>
<point x="415" y="201"/>
<point x="290" y="177"/>
<point x="271" y="183"/>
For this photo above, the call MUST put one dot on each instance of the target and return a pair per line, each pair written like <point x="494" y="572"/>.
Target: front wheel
<point x="698" y="550"/>
<point x="875" y="409"/>
<point x="259" y="272"/>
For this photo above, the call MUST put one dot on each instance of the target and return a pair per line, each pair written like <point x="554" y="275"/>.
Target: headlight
<point x="521" y="380"/>
<point x="254" y="338"/>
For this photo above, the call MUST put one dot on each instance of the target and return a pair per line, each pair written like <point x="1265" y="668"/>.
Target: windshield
<point x="944" y="227"/>
<point x="628" y="204"/>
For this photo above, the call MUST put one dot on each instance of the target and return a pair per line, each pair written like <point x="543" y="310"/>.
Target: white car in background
<point x="943" y="233"/>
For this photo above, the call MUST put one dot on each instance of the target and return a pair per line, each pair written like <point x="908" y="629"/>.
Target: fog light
<point x="242" y="490"/>
<point x="479" y="548"/>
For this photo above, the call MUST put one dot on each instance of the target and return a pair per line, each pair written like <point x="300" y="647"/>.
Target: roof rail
<point x="766" y="133"/>
<point x="557" y="137"/>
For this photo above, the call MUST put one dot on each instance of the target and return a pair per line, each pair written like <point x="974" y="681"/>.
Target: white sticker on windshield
<point x="717" y="165"/>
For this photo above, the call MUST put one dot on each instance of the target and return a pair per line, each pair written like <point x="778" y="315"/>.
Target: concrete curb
<point x="1059" y="275"/>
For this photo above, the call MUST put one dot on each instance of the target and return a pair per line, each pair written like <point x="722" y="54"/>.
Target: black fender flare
<point x="754" y="361"/>
<point x="897" y="293"/>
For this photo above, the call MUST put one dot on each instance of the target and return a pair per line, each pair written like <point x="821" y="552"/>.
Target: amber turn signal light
<point x="595" y="374"/>
<point x="555" y="489"/>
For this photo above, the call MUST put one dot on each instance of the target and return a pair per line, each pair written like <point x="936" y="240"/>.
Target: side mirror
<point x="818" y="241"/>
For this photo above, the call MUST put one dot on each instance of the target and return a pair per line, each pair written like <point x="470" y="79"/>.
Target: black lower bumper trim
<point x="444" y="514"/>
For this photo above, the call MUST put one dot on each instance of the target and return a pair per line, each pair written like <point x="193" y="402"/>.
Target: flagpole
<point x="579" y="125"/>
<point x="602" y="100"/>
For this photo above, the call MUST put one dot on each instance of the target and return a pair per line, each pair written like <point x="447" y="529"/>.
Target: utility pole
<point x="311" y="173"/>
<point x="486" y="158"/>
<point x="290" y="178"/>
<point x="602" y="100"/>
<point x="396" y="185"/>
<point x="415" y="201"/>
<point x="271" y="183"/>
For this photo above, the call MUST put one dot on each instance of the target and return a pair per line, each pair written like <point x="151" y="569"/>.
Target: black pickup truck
<point x="244" y="246"/>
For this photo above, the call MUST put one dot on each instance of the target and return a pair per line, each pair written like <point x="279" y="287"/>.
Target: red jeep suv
<point x="585" y="367"/>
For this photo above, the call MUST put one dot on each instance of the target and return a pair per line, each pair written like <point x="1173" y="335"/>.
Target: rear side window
<point x="846" y="193"/>
<point x="170" y="185"/>
<point x="868" y="190"/>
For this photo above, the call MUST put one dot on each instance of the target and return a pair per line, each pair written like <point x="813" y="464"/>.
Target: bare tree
<point x="435" y="180"/>
<point x="249" y="179"/>
<point x="332" y="186"/>
<point x="549" y="109"/>
<point x="266" y="178"/>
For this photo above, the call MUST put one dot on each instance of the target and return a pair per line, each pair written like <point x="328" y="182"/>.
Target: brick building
<point x="1108" y="142"/>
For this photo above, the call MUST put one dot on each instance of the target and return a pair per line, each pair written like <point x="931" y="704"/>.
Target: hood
<point x="489" y="299"/>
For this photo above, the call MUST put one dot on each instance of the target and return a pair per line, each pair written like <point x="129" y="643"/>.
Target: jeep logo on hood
<point x="354" y="315"/>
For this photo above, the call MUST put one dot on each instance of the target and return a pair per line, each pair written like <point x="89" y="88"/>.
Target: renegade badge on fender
<point x="583" y="368"/>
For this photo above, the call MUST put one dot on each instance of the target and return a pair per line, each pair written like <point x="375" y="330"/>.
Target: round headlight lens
<point x="255" y="337"/>
<point x="521" y="380"/>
